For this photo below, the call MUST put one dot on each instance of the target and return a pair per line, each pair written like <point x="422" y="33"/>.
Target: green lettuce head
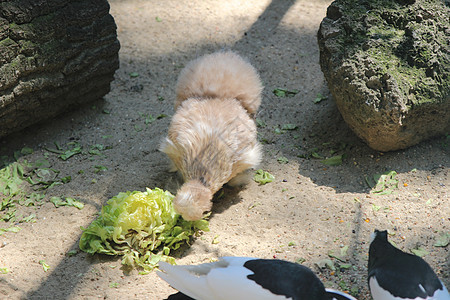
<point x="141" y="226"/>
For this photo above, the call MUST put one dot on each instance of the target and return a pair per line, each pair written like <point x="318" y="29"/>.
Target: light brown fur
<point x="211" y="137"/>
<point x="223" y="75"/>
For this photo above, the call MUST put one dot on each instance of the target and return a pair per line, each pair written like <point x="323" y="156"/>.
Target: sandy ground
<point x="308" y="211"/>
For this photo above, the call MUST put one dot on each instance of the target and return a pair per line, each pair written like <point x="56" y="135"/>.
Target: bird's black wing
<point x="404" y="281"/>
<point x="285" y="278"/>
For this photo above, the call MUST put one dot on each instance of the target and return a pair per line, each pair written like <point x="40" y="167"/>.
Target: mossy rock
<point x="387" y="64"/>
<point x="54" y="56"/>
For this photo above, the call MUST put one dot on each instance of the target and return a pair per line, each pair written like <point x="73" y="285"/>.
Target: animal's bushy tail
<point x="222" y="74"/>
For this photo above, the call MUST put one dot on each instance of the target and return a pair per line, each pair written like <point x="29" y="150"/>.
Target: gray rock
<point x="387" y="64"/>
<point x="54" y="56"/>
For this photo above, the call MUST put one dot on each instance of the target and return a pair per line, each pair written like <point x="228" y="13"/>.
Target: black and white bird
<point x="244" y="278"/>
<point x="394" y="274"/>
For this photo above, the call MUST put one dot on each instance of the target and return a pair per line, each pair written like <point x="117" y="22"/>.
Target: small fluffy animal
<point x="244" y="278"/>
<point x="212" y="136"/>
<point x="396" y="275"/>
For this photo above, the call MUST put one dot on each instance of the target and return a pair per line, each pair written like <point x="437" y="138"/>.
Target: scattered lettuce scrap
<point x="419" y="251"/>
<point x="278" y="131"/>
<point x="11" y="177"/>
<point x="326" y="263"/>
<point x="442" y="240"/>
<point x="284" y="128"/>
<point x="17" y="180"/>
<point x="282" y="160"/>
<point x="300" y="260"/>
<point x="141" y="226"/>
<point x="14" y="229"/>
<point x="333" y="161"/>
<point x="11" y="192"/>
<point x="354" y="291"/>
<point x="29" y="219"/>
<point x="71" y="253"/>
<point x="100" y="168"/>
<point x="45" y="266"/>
<point x="339" y="256"/>
<point x="148" y="118"/>
<point x="45" y="178"/>
<point x="345" y="266"/>
<point x="97" y="149"/>
<point x="4" y="270"/>
<point x="330" y="153"/>
<point x="284" y="93"/>
<point x="343" y="285"/>
<point x="383" y="184"/>
<point x="289" y="127"/>
<point x="215" y="240"/>
<point x="262" y="177"/>
<point x="316" y="155"/>
<point x="58" y="201"/>
<point x="375" y="207"/>
<point x="319" y="98"/>
<point x="75" y="148"/>
<point x="65" y="154"/>
<point x="260" y="123"/>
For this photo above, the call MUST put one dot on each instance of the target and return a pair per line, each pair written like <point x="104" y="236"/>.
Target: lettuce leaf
<point x="141" y="226"/>
<point x="262" y="177"/>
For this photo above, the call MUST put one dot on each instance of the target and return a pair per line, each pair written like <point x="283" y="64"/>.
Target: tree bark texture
<point x="54" y="56"/>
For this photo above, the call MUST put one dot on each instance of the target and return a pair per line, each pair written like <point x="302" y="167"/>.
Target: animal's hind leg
<point x="241" y="179"/>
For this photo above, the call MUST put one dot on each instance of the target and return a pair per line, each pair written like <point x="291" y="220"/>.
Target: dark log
<point x="54" y="56"/>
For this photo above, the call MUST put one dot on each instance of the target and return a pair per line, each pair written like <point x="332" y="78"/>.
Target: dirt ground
<point x="310" y="208"/>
